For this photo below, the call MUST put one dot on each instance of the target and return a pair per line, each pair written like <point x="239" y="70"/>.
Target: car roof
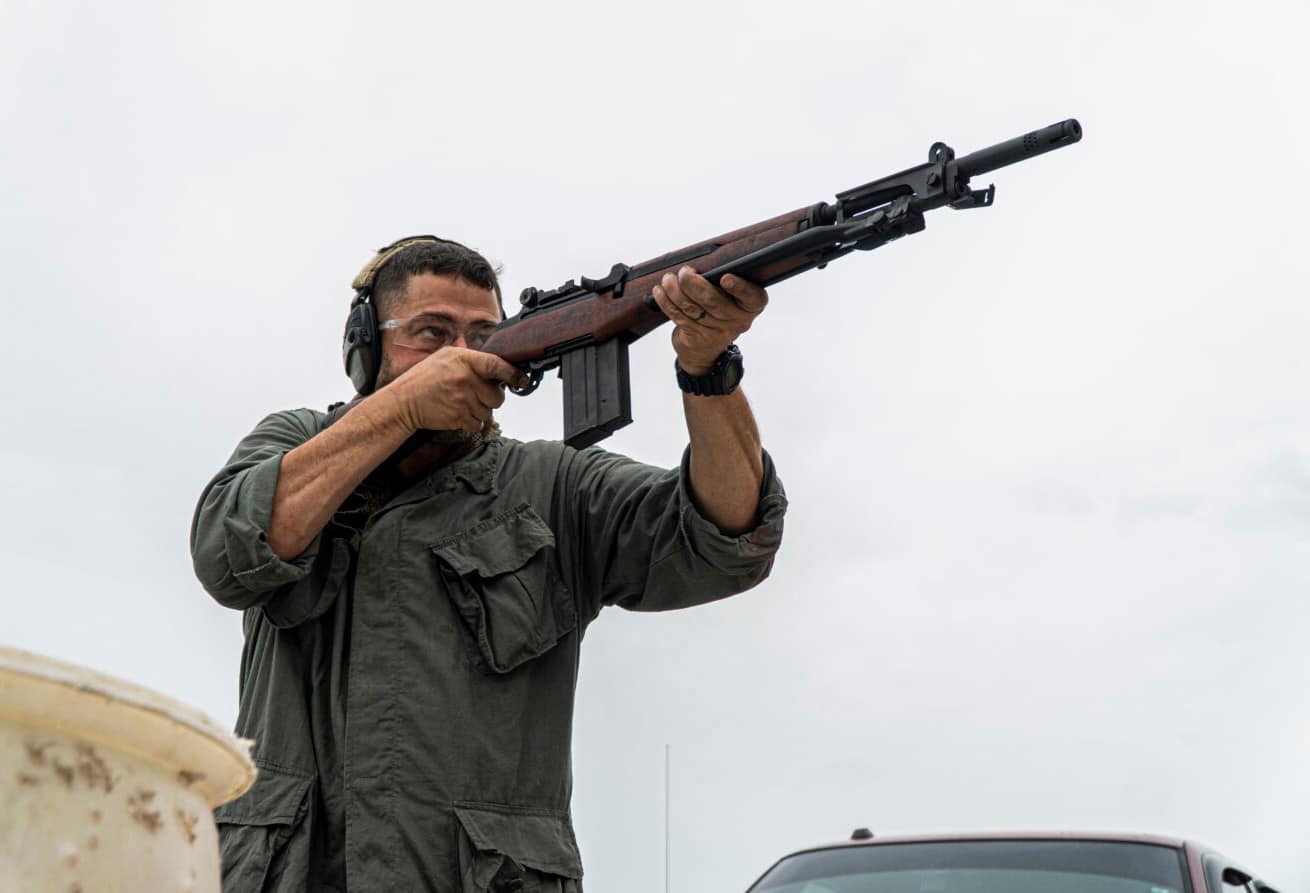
<point x="1099" y="836"/>
<point x="1191" y="847"/>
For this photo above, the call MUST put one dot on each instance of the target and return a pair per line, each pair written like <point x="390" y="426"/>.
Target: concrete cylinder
<point x="107" y="786"/>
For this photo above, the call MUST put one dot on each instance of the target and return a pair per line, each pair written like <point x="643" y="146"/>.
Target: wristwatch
<point x="723" y="377"/>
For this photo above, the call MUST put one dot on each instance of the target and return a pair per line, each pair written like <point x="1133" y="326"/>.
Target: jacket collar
<point x="477" y="470"/>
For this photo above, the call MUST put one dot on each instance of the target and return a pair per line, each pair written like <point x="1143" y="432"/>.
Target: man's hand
<point x="708" y="319"/>
<point x="453" y="388"/>
<point x="727" y="461"/>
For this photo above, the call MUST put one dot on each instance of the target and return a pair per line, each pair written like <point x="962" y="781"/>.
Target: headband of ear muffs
<point x="360" y="347"/>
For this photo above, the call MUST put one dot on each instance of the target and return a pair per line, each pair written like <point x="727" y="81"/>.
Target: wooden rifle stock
<point x="599" y="310"/>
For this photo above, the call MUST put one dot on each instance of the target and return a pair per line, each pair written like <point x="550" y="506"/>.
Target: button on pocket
<point x="501" y="578"/>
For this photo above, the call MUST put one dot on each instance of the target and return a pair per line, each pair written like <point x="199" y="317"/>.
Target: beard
<point x="386" y="374"/>
<point x="449" y="438"/>
<point x="459" y="437"/>
<point x="426" y="451"/>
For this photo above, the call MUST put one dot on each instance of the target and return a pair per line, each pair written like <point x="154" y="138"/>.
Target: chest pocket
<point x="502" y="578"/>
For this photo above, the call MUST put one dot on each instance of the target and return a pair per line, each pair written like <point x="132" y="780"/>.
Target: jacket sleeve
<point x="229" y="532"/>
<point x="640" y="543"/>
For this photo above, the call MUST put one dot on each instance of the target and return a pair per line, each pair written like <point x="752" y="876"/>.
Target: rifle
<point x="583" y="328"/>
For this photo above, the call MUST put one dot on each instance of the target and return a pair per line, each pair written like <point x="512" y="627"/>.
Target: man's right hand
<point x="453" y="388"/>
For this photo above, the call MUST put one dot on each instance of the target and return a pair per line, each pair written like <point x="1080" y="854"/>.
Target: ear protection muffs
<point x="361" y="347"/>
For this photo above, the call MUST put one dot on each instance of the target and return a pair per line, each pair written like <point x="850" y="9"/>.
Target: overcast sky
<point x="1049" y="462"/>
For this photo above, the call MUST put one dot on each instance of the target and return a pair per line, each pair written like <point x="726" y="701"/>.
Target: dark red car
<point x="1039" y="862"/>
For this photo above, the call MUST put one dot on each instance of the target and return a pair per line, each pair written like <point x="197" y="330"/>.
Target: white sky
<point x="1049" y="463"/>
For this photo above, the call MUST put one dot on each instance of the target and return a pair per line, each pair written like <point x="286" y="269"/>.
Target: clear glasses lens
<point x="427" y="334"/>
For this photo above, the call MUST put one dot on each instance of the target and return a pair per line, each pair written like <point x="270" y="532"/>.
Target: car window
<point x="981" y="867"/>
<point x="1222" y="876"/>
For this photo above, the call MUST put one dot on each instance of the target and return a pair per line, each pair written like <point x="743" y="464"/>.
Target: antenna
<point x="668" y="762"/>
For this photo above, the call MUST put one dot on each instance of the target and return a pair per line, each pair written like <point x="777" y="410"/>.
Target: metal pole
<point x="668" y="761"/>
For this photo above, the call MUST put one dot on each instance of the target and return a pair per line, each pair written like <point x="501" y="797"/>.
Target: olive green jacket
<point x="409" y="679"/>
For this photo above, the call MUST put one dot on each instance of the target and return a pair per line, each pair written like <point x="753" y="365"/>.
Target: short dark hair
<point x="439" y="258"/>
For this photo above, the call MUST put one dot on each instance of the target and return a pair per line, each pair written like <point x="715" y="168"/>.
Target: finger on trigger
<point x="489" y="394"/>
<point x="475" y="408"/>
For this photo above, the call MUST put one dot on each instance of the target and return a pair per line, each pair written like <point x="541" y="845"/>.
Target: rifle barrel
<point x="1065" y="133"/>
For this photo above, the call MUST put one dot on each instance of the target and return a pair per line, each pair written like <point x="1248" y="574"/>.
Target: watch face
<point x="732" y="375"/>
<point x="723" y="377"/>
<point x="729" y="369"/>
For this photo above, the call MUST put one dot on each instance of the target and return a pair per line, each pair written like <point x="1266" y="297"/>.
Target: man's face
<point x="443" y="303"/>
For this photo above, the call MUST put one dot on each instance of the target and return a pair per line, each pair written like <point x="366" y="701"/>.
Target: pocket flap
<point x="498" y="545"/>
<point x="536" y="839"/>
<point x="276" y="798"/>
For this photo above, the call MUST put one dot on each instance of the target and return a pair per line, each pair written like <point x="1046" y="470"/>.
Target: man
<point x="415" y="587"/>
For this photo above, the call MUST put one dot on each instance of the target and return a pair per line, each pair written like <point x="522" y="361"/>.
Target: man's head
<point x="428" y="294"/>
<point x="439" y="257"/>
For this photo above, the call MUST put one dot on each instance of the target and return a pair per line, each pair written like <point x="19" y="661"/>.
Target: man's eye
<point x="434" y="333"/>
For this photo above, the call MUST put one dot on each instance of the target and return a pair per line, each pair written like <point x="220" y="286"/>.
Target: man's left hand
<point x="708" y="318"/>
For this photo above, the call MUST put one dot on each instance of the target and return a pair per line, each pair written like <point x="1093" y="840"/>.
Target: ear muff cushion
<point x="359" y="346"/>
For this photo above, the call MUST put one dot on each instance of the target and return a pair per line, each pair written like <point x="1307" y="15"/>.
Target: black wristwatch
<point x="723" y="377"/>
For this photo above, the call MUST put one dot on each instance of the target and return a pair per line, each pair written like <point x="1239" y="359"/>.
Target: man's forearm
<point x="317" y="476"/>
<point x="727" y="460"/>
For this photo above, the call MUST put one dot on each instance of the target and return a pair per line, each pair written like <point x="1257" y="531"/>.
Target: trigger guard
<point x="534" y="381"/>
